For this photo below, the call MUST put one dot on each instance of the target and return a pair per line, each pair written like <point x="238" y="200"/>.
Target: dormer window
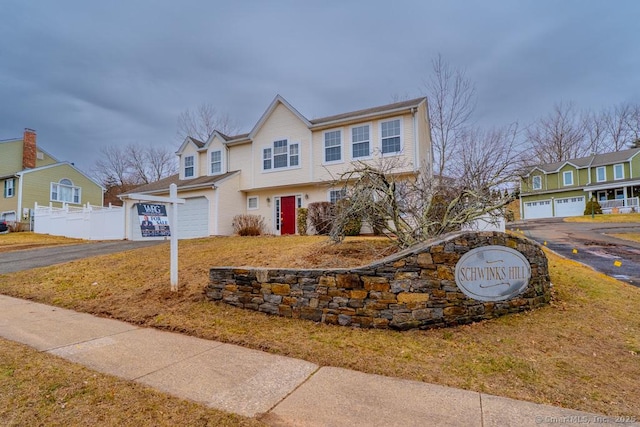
<point x="567" y="178"/>
<point x="216" y="162"/>
<point x="189" y="166"/>
<point x="536" y="182"/>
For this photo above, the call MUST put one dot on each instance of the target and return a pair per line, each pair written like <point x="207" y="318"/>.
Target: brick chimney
<point x="29" y="149"/>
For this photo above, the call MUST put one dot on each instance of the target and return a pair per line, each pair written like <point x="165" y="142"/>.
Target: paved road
<point x="593" y="242"/>
<point x="33" y="258"/>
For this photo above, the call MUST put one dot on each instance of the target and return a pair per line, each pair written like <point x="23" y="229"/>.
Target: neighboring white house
<point x="286" y="161"/>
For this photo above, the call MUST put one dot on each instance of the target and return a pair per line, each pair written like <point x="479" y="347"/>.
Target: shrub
<point x="352" y="222"/>
<point x="301" y="220"/>
<point x="592" y="204"/>
<point x="248" y="225"/>
<point x="321" y="216"/>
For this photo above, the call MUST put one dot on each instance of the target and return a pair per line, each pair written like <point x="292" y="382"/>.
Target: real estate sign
<point x="153" y="220"/>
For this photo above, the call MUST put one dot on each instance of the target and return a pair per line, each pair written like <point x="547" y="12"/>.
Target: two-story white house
<point x="286" y="161"/>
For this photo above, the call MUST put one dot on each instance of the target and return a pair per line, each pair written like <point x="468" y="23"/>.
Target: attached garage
<point x="193" y="218"/>
<point x="538" y="209"/>
<point x="569" y="206"/>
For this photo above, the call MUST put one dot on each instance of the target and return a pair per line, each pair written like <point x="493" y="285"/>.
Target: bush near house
<point x="592" y="207"/>
<point x="321" y="216"/>
<point x="354" y="220"/>
<point x="248" y="225"/>
<point x="301" y="219"/>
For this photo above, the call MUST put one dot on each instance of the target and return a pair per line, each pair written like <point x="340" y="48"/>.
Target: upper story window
<point x="601" y="174"/>
<point x="390" y="134"/>
<point x="65" y="191"/>
<point x="189" y="166"/>
<point x="360" y="146"/>
<point x="567" y="178"/>
<point x="618" y="171"/>
<point x="281" y="155"/>
<point x="536" y="182"/>
<point x="216" y="162"/>
<point x="333" y="146"/>
<point x="9" y="188"/>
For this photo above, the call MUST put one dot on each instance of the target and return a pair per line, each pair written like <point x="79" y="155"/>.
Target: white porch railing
<point x="619" y="203"/>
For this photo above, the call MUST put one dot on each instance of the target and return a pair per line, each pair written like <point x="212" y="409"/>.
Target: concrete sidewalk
<point x="279" y="390"/>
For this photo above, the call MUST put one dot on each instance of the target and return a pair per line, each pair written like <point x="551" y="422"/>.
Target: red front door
<point x="288" y="215"/>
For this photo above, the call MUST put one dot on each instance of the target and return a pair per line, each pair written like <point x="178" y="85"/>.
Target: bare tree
<point x="112" y="168"/>
<point x="411" y="208"/>
<point x="201" y="122"/>
<point x="616" y="121"/>
<point x="633" y="122"/>
<point x="489" y="159"/>
<point x="451" y="97"/>
<point x="132" y="165"/>
<point x="558" y="136"/>
<point x="595" y="129"/>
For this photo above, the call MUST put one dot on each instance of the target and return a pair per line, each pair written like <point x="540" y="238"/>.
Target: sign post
<point x="174" y="200"/>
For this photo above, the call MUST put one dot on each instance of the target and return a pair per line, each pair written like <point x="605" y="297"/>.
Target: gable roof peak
<point x="278" y="100"/>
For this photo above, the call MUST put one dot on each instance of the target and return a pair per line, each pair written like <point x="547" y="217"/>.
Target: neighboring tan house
<point x="29" y="174"/>
<point x="562" y="189"/>
<point x="286" y="161"/>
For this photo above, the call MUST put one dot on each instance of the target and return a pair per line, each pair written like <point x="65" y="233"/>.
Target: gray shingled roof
<point x="593" y="160"/>
<point x="381" y="109"/>
<point x="163" y="184"/>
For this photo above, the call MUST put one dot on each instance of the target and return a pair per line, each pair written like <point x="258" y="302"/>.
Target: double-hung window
<point x="601" y="174"/>
<point x="216" y="162"/>
<point x="281" y="155"/>
<point x="536" y="182"/>
<point x="567" y="178"/>
<point x="65" y="191"/>
<point x="9" y="188"/>
<point x="333" y="146"/>
<point x="189" y="166"/>
<point x="618" y="171"/>
<point x="335" y="195"/>
<point x="390" y="133"/>
<point x="360" y="142"/>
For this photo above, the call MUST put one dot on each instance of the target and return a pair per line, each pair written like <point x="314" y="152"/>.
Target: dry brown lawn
<point x="28" y="240"/>
<point x="630" y="217"/>
<point x="39" y="389"/>
<point x="581" y="352"/>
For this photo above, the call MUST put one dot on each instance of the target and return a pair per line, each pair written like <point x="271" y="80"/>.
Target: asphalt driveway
<point x="590" y="244"/>
<point x="33" y="258"/>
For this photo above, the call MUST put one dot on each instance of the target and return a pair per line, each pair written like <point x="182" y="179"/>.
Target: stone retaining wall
<point x="414" y="288"/>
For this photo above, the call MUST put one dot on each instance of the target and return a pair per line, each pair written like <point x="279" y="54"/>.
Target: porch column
<point x="626" y="195"/>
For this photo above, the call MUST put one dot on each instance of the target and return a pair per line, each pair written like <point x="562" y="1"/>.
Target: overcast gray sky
<point x="87" y="74"/>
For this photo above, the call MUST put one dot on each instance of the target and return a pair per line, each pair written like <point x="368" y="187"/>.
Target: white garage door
<point x="570" y="206"/>
<point x="538" y="209"/>
<point x="193" y="218"/>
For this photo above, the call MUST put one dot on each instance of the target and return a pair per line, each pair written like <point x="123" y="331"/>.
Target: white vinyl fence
<point x="88" y="222"/>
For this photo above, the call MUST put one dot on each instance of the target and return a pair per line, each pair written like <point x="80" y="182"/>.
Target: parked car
<point x="3" y="227"/>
